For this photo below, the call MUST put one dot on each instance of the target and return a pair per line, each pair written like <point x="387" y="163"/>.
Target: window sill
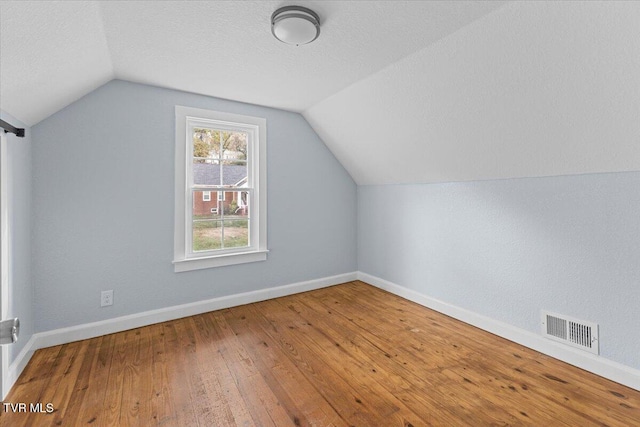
<point x="189" y="264"/>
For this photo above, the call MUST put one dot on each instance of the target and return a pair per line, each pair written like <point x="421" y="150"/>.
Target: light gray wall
<point x="507" y="249"/>
<point x="19" y="201"/>
<point x="103" y="196"/>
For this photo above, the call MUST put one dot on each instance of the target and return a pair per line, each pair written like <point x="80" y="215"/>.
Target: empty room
<point x="320" y="213"/>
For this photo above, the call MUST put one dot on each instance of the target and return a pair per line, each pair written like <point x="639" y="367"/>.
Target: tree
<point x="219" y="144"/>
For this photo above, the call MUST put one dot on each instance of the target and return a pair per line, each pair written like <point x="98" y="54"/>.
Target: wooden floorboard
<point x="347" y="355"/>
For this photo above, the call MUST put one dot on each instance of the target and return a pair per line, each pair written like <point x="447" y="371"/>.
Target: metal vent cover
<point x="576" y="333"/>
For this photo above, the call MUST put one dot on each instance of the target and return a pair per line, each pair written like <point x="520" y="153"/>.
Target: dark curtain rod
<point x="9" y="128"/>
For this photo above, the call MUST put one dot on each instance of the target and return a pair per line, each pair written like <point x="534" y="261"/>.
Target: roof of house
<point x="209" y="174"/>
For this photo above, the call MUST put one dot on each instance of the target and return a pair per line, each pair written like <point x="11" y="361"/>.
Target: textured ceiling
<point x="400" y="91"/>
<point x="51" y="54"/>
<point x="533" y="89"/>
<point x="54" y="52"/>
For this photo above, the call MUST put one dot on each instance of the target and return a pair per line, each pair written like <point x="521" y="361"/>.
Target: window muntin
<point x="221" y="155"/>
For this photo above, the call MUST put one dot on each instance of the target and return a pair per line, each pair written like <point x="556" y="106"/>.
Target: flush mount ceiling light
<point x="295" y="25"/>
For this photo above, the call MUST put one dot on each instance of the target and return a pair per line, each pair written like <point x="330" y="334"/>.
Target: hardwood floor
<point x="346" y="355"/>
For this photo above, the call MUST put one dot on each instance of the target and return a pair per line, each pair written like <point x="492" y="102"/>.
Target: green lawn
<point x="207" y="235"/>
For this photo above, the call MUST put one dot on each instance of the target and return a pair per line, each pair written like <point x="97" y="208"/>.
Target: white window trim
<point x="206" y="196"/>
<point x="183" y="260"/>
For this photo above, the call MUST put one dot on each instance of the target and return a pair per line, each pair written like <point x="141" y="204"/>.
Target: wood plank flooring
<point x="347" y="355"/>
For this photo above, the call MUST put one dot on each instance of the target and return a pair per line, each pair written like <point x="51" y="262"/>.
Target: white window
<point x="226" y="154"/>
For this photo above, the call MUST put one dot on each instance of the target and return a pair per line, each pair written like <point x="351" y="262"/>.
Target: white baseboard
<point x="18" y="365"/>
<point x="123" y="323"/>
<point x="598" y="365"/>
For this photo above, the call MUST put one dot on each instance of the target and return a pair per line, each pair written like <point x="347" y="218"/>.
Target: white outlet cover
<point x="106" y="298"/>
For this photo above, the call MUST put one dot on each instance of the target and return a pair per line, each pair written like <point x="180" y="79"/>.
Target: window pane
<point x="207" y="235"/>
<point x="234" y="173"/>
<point x="206" y="209"/>
<point x="205" y="173"/>
<point x="235" y="204"/>
<point x="206" y="143"/>
<point x="234" y="145"/>
<point x="236" y="233"/>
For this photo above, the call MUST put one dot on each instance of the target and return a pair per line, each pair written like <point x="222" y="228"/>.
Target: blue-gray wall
<point x="103" y="202"/>
<point x="19" y="202"/>
<point x="102" y="218"/>
<point x="507" y="249"/>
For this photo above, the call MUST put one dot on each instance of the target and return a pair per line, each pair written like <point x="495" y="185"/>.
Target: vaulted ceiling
<point x="54" y="52"/>
<point x="400" y="91"/>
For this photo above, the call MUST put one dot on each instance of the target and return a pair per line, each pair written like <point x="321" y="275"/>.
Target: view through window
<point x="221" y="214"/>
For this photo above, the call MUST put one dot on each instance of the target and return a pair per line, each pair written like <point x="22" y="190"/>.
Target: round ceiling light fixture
<point x="295" y="25"/>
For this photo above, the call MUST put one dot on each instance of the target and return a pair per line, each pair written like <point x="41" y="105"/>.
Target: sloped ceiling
<point x="400" y="91"/>
<point x="51" y="54"/>
<point x="54" y="52"/>
<point x="533" y="89"/>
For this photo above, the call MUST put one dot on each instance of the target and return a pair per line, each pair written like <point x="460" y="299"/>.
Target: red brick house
<point x="218" y="202"/>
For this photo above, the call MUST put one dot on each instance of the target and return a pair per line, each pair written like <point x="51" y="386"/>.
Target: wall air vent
<point x="576" y="333"/>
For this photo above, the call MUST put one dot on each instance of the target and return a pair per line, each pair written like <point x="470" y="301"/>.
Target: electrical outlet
<point x="106" y="298"/>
